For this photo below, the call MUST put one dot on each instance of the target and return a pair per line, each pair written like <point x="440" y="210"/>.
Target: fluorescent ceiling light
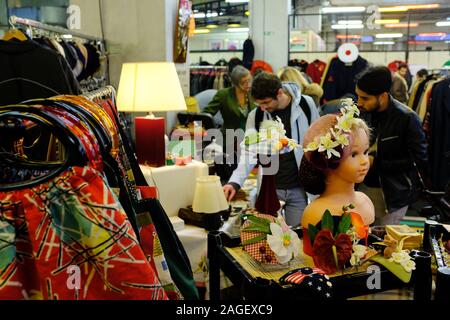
<point x="442" y="23"/>
<point x="343" y="9"/>
<point x="384" y="42"/>
<point x="350" y="22"/>
<point x="234" y="25"/>
<point x="237" y="29"/>
<point x="394" y="9"/>
<point x="67" y="36"/>
<point x="423" y="6"/>
<point x="236" y="1"/>
<point x="201" y="15"/>
<point x="401" y="25"/>
<point x="348" y="36"/>
<point x="432" y="34"/>
<point x="409" y="7"/>
<point x="200" y="31"/>
<point x="247" y="13"/>
<point x="385" y="21"/>
<point x="347" y="26"/>
<point x="388" y="35"/>
<point x="212" y="26"/>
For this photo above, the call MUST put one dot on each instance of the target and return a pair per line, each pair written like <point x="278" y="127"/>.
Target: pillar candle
<point x="150" y="143"/>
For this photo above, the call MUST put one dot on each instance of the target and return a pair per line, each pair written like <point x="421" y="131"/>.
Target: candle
<point x="150" y="143"/>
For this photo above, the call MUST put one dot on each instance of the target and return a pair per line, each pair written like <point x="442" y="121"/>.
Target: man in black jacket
<point x="398" y="147"/>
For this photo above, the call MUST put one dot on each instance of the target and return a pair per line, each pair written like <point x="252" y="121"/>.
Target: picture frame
<point x="215" y="45"/>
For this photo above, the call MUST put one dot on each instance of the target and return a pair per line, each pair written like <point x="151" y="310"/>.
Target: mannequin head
<point x="352" y="163"/>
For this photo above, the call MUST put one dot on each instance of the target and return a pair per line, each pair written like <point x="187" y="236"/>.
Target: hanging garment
<point x="439" y="148"/>
<point x="315" y="70"/>
<point x="259" y="64"/>
<point x="158" y="238"/>
<point x="30" y="71"/>
<point x="248" y="53"/>
<point x="73" y="220"/>
<point x="340" y="78"/>
<point x="425" y="99"/>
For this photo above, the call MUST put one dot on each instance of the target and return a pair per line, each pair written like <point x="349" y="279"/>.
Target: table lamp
<point x="209" y="200"/>
<point x="150" y="87"/>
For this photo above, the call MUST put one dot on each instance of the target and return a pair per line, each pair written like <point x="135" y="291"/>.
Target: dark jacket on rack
<point x="30" y="71"/>
<point x="340" y="78"/>
<point x="440" y="135"/>
<point x="400" y="144"/>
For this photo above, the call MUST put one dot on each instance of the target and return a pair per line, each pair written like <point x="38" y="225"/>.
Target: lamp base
<point x="150" y="141"/>
<point x="208" y="221"/>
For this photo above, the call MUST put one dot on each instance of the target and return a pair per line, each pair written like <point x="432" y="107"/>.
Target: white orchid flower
<point x="283" y="242"/>
<point x="404" y="259"/>
<point x="340" y="137"/>
<point x="359" y="251"/>
<point x="345" y="122"/>
<point x="312" y="146"/>
<point x="328" y="145"/>
<point x="409" y="266"/>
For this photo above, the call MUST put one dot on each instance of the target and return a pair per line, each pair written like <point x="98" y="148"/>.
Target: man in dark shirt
<point x="398" y="147"/>
<point x="283" y="100"/>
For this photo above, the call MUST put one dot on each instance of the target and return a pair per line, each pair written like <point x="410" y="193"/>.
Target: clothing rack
<point x="102" y="93"/>
<point x="13" y="21"/>
<point x="208" y="67"/>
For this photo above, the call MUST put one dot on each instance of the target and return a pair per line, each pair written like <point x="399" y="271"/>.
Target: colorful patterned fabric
<point x="71" y="221"/>
<point x="313" y="279"/>
<point x="260" y="250"/>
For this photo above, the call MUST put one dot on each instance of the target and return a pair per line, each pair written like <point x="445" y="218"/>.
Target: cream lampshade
<point x="150" y="87"/>
<point x="209" y="201"/>
<point x="209" y="197"/>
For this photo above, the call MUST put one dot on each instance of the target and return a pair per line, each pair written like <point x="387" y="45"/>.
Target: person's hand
<point x="229" y="192"/>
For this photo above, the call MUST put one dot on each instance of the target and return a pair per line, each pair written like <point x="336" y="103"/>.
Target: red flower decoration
<point x="323" y="251"/>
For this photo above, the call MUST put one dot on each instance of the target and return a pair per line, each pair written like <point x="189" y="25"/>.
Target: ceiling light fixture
<point x="409" y="7"/>
<point x="388" y="35"/>
<point x="349" y="36"/>
<point x="236" y="1"/>
<point x="384" y="43"/>
<point x="347" y="26"/>
<point x="442" y="23"/>
<point x="201" y="31"/>
<point x="401" y="25"/>
<point x="350" y="22"/>
<point x="234" y="25"/>
<point x="238" y="30"/>
<point x="343" y="9"/>
<point x="385" y="21"/>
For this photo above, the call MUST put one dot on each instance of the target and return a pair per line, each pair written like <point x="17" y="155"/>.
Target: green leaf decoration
<point x="257" y="228"/>
<point x="345" y="223"/>
<point x="327" y="221"/>
<point x="312" y="233"/>
<point x="254" y="240"/>
<point x="257" y="220"/>
<point x="393" y="267"/>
